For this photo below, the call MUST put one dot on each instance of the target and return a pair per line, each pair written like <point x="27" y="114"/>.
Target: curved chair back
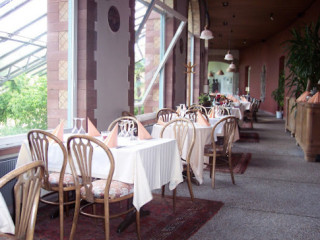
<point x="166" y="114"/>
<point x="39" y="141"/>
<point x="26" y="193"/>
<point x="185" y="134"/>
<point x="126" y="122"/>
<point x="229" y="128"/>
<point x="199" y="107"/>
<point x="80" y="155"/>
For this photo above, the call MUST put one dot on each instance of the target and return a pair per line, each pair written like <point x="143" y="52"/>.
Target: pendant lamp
<point x="206" y="34"/>
<point x="220" y="72"/>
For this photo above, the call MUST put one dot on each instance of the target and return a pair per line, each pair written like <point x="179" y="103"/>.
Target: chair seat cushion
<point x="209" y="150"/>
<point x="117" y="189"/>
<point x="68" y="179"/>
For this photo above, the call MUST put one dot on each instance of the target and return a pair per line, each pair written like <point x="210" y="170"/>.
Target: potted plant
<point x="303" y="58"/>
<point x="205" y="100"/>
<point x="278" y="95"/>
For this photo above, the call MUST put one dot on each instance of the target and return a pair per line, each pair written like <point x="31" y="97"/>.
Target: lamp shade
<point x="232" y="66"/>
<point x="228" y="56"/>
<point x="231" y="69"/>
<point x="206" y="34"/>
<point x="220" y="72"/>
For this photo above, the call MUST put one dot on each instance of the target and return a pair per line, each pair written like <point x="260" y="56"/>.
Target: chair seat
<point x="54" y="177"/>
<point x="209" y="150"/>
<point x="117" y="189"/>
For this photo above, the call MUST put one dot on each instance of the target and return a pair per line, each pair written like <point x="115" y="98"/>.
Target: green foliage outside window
<point x="23" y="105"/>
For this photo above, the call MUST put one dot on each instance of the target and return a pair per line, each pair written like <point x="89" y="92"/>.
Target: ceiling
<point x="245" y="22"/>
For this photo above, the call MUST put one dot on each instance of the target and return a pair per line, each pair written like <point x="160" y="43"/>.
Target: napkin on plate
<point x="92" y="130"/>
<point x="58" y="131"/>
<point x="303" y="97"/>
<point x="178" y="110"/>
<point x="112" y="139"/>
<point x="160" y="122"/>
<point x="315" y="98"/>
<point x="201" y="120"/>
<point x="243" y="99"/>
<point x="142" y="132"/>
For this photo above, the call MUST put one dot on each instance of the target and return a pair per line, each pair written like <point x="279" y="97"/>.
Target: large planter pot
<point x="291" y="115"/>
<point x="279" y="114"/>
<point x="307" y="131"/>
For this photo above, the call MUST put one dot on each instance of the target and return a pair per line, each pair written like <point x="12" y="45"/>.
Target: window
<point x="23" y="48"/>
<point x="150" y="53"/>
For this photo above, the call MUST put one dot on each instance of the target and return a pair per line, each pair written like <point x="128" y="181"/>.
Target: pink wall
<point x="268" y="53"/>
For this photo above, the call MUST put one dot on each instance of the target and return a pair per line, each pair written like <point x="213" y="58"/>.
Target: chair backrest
<point x="80" y="155"/>
<point x="126" y="113"/>
<point x="27" y="194"/>
<point x="185" y="134"/>
<point x="223" y="111"/>
<point x="125" y="122"/>
<point x="166" y="114"/>
<point x="39" y="141"/>
<point x="229" y="128"/>
<point x="199" y="107"/>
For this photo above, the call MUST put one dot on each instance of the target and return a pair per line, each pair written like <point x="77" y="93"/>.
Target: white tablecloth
<point x="148" y="164"/>
<point x="6" y="223"/>
<point x="203" y="137"/>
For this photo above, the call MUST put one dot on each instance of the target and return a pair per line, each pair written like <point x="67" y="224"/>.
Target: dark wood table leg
<point x="131" y="218"/>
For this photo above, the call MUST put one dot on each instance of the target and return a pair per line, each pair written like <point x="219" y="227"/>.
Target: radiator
<point x="6" y="166"/>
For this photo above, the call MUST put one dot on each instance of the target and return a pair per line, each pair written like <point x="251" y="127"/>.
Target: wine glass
<point x="121" y="125"/>
<point x="75" y="128"/>
<point x="81" y="130"/>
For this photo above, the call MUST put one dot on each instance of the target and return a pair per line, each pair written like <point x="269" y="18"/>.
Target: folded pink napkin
<point x="112" y="139"/>
<point x="92" y="130"/>
<point x="142" y="132"/>
<point x="212" y="114"/>
<point x="243" y="99"/>
<point x="160" y="122"/>
<point x="58" y="131"/>
<point x="303" y="97"/>
<point x="201" y="120"/>
<point x="315" y="98"/>
<point x="178" y="110"/>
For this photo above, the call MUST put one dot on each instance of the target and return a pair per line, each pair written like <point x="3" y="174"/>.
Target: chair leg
<point x="174" y="199"/>
<point x="106" y="221"/>
<point x="138" y="224"/>
<point x="162" y="190"/>
<point x="213" y="172"/>
<point x="231" y="169"/>
<point x="76" y="216"/>
<point x="61" y="213"/>
<point x="189" y="185"/>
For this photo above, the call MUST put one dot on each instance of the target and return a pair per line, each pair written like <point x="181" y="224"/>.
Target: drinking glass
<point x="75" y="128"/>
<point x="81" y="130"/>
<point x="121" y="125"/>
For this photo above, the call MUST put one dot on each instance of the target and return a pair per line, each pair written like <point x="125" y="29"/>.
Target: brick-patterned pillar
<point x="87" y="70"/>
<point x="57" y="61"/>
<point x="57" y="64"/>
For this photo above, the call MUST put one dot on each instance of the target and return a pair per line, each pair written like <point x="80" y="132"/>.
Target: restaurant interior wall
<point x="113" y="62"/>
<point x="269" y="52"/>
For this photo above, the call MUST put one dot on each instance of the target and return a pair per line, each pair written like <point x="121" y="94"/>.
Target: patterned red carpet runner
<point x="162" y="223"/>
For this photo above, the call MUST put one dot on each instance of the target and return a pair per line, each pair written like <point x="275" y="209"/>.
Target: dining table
<point x="148" y="164"/>
<point x="6" y="223"/>
<point x="203" y="137"/>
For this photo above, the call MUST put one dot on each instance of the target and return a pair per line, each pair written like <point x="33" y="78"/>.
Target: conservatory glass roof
<point x="23" y="38"/>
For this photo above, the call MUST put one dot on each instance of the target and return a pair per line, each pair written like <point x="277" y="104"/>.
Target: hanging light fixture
<point x="229" y="56"/>
<point x="220" y="72"/>
<point x="206" y="34"/>
<point x="232" y="66"/>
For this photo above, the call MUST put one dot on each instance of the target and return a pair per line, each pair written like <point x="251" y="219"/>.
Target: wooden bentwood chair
<point x="166" y="114"/>
<point x="222" y="152"/>
<point x="60" y="183"/>
<point x="185" y="135"/>
<point x="198" y="107"/>
<point x="26" y="193"/>
<point x="96" y="191"/>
